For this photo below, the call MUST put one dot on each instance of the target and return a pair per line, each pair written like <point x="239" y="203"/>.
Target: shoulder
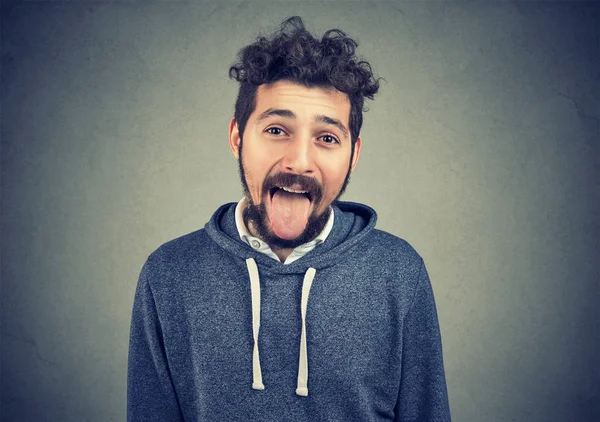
<point x="393" y="257"/>
<point x="393" y="247"/>
<point x="177" y="253"/>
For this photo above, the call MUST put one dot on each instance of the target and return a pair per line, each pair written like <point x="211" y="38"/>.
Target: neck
<point x="282" y="254"/>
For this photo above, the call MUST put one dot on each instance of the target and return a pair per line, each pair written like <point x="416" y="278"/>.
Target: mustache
<point x="288" y="180"/>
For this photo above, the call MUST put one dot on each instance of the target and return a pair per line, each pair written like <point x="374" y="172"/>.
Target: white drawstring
<point x="257" y="384"/>
<point x="302" y="388"/>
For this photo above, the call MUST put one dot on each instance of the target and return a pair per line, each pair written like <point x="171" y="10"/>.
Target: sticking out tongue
<point x="288" y="214"/>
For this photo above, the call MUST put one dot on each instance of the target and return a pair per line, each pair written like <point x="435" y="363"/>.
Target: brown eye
<point x="328" y="139"/>
<point x="274" y="131"/>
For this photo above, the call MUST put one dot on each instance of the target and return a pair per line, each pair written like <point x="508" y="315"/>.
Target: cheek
<point x="334" y="174"/>
<point x="256" y="167"/>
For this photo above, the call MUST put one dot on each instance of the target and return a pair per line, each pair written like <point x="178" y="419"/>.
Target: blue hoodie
<point x="349" y="332"/>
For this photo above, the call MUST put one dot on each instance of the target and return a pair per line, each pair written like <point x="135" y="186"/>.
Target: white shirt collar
<point x="262" y="246"/>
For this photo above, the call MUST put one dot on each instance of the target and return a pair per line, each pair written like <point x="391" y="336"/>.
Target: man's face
<point x="295" y="160"/>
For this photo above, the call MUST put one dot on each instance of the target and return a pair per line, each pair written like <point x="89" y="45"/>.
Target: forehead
<point x="303" y="101"/>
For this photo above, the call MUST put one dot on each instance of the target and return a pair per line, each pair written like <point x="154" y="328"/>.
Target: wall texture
<point x="482" y="150"/>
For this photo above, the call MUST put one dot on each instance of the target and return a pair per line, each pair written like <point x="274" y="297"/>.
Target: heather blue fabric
<point x="374" y="346"/>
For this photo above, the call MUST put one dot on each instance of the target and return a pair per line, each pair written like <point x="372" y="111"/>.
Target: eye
<point x="330" y="139"/>
<point x="274" y="131"/>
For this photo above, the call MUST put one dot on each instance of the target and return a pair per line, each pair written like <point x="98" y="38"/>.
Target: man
<point x="289" y="305"/>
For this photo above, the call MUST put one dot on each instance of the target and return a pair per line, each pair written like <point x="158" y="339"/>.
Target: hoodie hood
<point x="353" y="223"/>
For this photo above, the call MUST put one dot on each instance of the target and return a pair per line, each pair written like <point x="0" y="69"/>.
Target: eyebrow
<point x="275" y="112"/>
<point x="330" y="121"/>
<point x="321" y="118"/>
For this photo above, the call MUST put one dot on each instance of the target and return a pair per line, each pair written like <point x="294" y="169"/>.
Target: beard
<point x="257" y="214"/>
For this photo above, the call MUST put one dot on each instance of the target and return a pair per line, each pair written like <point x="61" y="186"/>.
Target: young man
<point x="289" y="305"/>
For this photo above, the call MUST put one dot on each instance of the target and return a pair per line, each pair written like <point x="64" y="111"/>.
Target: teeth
<point x="292" y="190"/>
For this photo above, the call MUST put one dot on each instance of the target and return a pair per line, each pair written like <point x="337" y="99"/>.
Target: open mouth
<point x="306" y="193"/>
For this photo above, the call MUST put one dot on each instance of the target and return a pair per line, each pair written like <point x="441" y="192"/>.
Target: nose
<point x="298" y="156"/>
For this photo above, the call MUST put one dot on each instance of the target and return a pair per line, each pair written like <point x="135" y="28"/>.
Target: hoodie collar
<point x="352" y="223"/>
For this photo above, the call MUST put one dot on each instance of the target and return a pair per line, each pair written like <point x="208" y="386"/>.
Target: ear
<point x="234" y="138"/>
<point x="357" y="146"/>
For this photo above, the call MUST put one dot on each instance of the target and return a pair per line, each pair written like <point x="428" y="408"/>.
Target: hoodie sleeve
<point x="150" y="392"/>
<point x="423" y="395"/>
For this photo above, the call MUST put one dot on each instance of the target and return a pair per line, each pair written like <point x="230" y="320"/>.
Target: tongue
<point x="289" y="214"/>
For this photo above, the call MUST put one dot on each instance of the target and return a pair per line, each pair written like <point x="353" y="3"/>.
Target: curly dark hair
<point x="293" y="54"/>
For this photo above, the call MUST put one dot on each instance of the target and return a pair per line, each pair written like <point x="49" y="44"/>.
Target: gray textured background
<point x="482" y="150"/>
